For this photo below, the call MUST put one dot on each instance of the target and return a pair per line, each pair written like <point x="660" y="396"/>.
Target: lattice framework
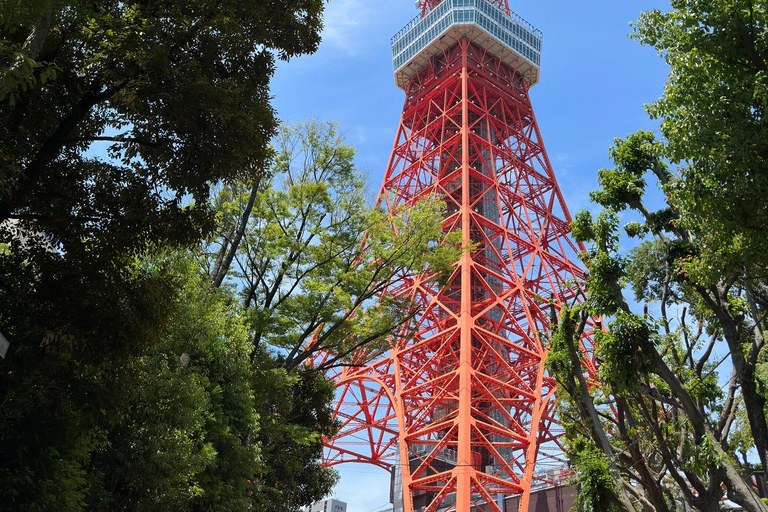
<point x="463" y="407"/>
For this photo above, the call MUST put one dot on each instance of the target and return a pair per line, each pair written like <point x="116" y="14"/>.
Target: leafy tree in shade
<point x="188" y="438"/>
<point x="175" y="95"/>
<point x="209" y="427"/>
<point x="178" y="93"/>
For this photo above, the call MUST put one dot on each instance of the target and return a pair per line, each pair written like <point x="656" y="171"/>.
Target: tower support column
<point x="465" y="466"/>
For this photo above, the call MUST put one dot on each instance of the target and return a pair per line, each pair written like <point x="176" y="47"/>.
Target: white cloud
<point x="348" y="24"/>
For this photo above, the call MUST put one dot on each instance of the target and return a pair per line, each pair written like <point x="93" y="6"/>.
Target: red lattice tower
<point x="462" y="412"/>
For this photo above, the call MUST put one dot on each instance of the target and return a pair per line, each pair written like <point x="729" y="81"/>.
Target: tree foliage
<point x="59" y="392"/>
<point x="178" y="93"/>
<point x="659" y="417"/>
<point x="190" y="419"/>
<point x="314" y="268"/>
<point x="126" y="387"/>
<point x="153" y="386"/>
<point x="713" y="116"/>
<point x="668" y="427"/>
<point x="317" y="267"/>
<point x="188" y="439"/>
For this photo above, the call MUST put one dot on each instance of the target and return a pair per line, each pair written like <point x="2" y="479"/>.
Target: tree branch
<point x="222" y="268"/>
<point x="51" y="148"/>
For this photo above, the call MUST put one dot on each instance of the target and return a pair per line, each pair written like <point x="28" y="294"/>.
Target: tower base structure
<point x="557" y="497"/>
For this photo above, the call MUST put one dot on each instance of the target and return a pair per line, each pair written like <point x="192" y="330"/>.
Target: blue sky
<point x="594" y="82"/>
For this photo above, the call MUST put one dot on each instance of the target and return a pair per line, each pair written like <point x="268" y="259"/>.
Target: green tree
<point x="178" y="95"/>
<point x="183" y="394"/>
<point x="315" y="264"/>
<point x="713" y="118"/>
<point x="672" y="432"/>
<point x="64" y="383"/>
<point x="200" y="423"/>
<point x="188" y="439"/>
<point x="314" y="267"/>
<point x="295" y="418"/>
<point x="669" y="422"/>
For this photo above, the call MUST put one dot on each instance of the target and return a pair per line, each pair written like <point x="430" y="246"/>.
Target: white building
<point x="328" y="506"/>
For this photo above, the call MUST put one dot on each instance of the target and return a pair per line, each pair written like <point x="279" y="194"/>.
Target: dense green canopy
<point x="128" y="385"/>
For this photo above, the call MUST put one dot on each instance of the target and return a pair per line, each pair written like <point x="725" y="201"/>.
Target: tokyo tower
<point x="462" y="411"/>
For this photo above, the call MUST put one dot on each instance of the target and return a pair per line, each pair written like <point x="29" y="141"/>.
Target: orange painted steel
<point x="462" y="410"/>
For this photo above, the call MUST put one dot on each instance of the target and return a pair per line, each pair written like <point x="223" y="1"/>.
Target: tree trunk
<point x="34" y="42"/>
<point x="738" y="490"/>
<point x="745" y="373"/>
<point x="707" y="505"/>
<point x="649" y="482"/>
<point x="754" y="403"/>
<point x="588" y="406"/>
<point x="222" y="254"/>
<point x="227" y="255"/>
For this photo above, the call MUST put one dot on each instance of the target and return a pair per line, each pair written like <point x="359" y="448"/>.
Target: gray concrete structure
<point x="330" y="505"/>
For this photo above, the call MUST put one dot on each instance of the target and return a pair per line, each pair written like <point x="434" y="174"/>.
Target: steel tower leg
<point x="465" y="468"/>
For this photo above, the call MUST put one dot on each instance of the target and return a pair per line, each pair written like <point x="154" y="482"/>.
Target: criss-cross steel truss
<point x="462" y="411"/>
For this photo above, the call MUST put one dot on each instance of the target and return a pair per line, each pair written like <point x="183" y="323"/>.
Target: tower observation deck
<point x="459" y="406"/>
<point x="510" y="38"/>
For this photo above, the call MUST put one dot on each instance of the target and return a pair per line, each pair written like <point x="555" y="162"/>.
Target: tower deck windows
<point x="510" y="38"/>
